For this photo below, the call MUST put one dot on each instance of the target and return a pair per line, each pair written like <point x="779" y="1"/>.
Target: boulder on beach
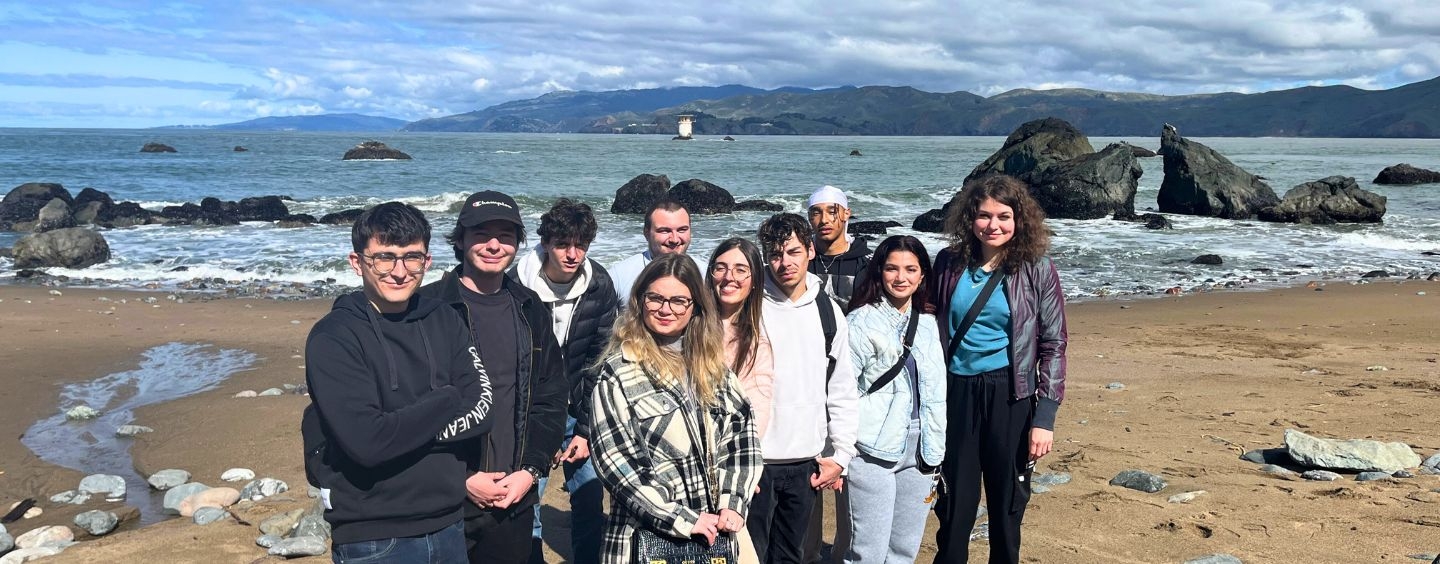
<point x="1335" y="199"/>
<point x="701" y="197"/>
<point x="75" y="247"/>
<point x="1403" y="174"/>
<point x="372" y="151"/>
<point x="1034" y="146"/>
<point x="1200" y="181"/>
<point x="1355" y="454"/>
<point x="1089" y="186"/>
<point x="124" y="214"/>
<point x="639" y="194"/>
<point x="55" y="215"/>
<point x="24" y="202"/>
<point x="157" y="148"/>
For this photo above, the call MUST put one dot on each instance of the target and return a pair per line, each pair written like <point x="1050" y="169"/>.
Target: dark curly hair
<point x="568" y="220"/>
<point x="870" y="287"/>
<point x="1031" y="238"/>
<point x="778" y="229"/>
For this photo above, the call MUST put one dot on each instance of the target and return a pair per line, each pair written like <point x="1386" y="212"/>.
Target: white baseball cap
<point x="828" y="195"/>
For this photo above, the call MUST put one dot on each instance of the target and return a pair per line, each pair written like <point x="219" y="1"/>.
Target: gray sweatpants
<point x="886" y="500"/>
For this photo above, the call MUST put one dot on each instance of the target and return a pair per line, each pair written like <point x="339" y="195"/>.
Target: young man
<point x="392" y="376"/>
<point x="667" y="231"/>
<point x="839" y="258"/>
<point x="581" y="300"/>
<point x="815" y="399"/>
<point x="511" y="327"/>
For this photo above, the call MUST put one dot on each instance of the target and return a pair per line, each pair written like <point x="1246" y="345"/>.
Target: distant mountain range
<point x="326" y="122"/>
<point x="1412" y="110"/>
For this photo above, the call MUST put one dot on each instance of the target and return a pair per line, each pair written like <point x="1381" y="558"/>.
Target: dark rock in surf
<point x="1405" y="174"/>
<point x="1336" y="199"/>
<point x="639" y="194"/>
<point x="374" y="151"/>
<point x="74" y="247"/>
<point x="1200" y="181"/>
<point x="701" y="197"/>
<point x="157" y="148"/>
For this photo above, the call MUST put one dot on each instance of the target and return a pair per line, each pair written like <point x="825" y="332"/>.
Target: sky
<point x="144" y="64"/>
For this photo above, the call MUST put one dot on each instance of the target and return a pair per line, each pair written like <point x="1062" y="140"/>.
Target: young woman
<point x="902" y="404"/>
<point x="1007" y="370"/>
<point x="747" y="348"/>
<point x="672" y="435"/>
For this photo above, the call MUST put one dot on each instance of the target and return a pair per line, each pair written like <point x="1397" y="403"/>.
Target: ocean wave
<point x="504" y="152"/>
<point x="1380" y="241"/>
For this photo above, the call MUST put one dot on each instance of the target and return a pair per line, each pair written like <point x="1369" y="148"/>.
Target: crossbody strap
<point x="909" y="341"/>
<point x="971" y="315"/>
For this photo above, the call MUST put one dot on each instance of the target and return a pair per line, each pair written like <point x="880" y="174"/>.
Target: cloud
<point x="231" y="61"/>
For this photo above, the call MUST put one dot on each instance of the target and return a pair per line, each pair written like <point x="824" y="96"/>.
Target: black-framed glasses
<point x="738" y="273"/>
<point x="678" y="304"/>
<point x="384" y="263"/>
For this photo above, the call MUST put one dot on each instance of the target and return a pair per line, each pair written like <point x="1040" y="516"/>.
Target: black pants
<point x="988" y="434"/>
<point x="499" y="536"/>
<point x="780" y="513"/>
<point x="815" y="532"/>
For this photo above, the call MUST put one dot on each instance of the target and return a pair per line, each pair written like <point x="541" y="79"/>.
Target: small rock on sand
<point x="238" y="475"/>
<point x="1186" y="497"/>
<point x="81" y="413"/>
<point x="30" y="554"/>
<point x="1320" y="475"/>
<point x="177" y="494"/>
<point x="132" y="430"/>
<point x="1215" y="559"/>
<point x="245" y="394"/>
<point x="97" y="522"/>
<point x="282" y="523"/>
<point x="45" y="536"/>
<point x="299" y="546"/>
<point x="1139" y="480"/>
<point x="169" y="478"/>
<point x="207" y="515"/>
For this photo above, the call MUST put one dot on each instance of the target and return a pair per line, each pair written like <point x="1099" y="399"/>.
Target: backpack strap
<point x="909" y="341"/>
<point x="825" y="304"/>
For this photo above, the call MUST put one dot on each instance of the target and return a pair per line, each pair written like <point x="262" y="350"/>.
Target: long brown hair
<point x="871" y="288"/>
<point x="702" y="356"/>
<point x="1031" y="238"/>
<point x="747" y="327"/>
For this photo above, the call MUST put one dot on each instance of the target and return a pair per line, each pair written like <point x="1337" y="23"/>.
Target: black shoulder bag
<point x="972" y="314"/>
<point x="894" y="371"/>
<point x="654" y="548"/>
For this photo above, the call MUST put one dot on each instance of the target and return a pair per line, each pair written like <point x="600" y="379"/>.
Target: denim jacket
<point x="876" y="332"/>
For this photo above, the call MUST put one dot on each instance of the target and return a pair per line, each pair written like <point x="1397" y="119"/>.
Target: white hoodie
<point x="561" y="297"/>
<point x="802" y="400"/>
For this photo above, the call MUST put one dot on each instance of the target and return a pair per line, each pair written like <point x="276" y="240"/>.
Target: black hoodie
<point x="388" y="392"/>
<point x="838" y="273"/>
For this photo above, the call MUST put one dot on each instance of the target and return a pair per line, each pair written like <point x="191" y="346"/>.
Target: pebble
<point x="260" y="489"/>
<point x="109" y="484"/>
<point x="1114" y="386"/>
<point x="177" y="494"/>
<point x="56" y="293"/>
<point x="71" y="497"/>
<point x="1139" y="480"/>
<point x="272" y="392"/>
<point x="1377" y="368"/>
<point x="81" y="413"/>
<point x="1277" y="470"/>
<point x="281" y="524"/>
<point x="313" y="526"/>
<point x="1186" y="497"/>
<point x="267" y="541"/>
<point x="132" y="430"/>
<point x="207" y="515"/>
<point x="1372" y="476"/>
<point x="29" y="554"/>
<point x="98" y="523"/>
<point x="1320" y="475"/>
<point x="43" y="536"/>
<point x="1404" y="474"/>
<point x="1051" y="479"/>
<point x="1215" y="559"/>
<point x="238" y="475"/>
<point x="299" y="546"/>
<point x="1431" y="556"/>
<point x="1432" y="463"/>
<point x="246" y="394"/>
<point x="166" y="479"/>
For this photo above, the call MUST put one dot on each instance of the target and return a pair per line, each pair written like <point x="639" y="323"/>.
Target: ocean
<point x="896" y="178"/>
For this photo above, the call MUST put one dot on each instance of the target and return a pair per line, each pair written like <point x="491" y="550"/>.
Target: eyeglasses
<point x="737" y="273"/>
<point x="678" y="304"/>
<point x="384" y="263"/>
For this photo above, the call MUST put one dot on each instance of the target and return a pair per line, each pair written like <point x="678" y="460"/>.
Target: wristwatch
<point x="534" y="473"/>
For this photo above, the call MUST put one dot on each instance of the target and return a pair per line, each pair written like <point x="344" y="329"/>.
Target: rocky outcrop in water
<point x="639" y="194"/>
<point x="758" y="205"/>
<point x="373" y="151"/>
<point x="1034" y="146"/>
<point x="1403" y="173"/>
<point x="344" y="217"/>
<point x="157" y="148"/>
<point x="701" y="197"/>
<point x="1200" y="181"/>
<point x="125" y="214"/>
<point x="89" y="204"/>
<point x="75" y="247"/>
<point x="24" y="202"/>
<point x="1336" y="199"/>
<point x="55" y="215"/>
<point x="1090" y="186"/>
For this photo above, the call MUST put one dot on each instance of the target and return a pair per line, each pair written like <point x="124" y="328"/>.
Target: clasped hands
<point x="710" y="525"/>
<point x="498" y="490"/>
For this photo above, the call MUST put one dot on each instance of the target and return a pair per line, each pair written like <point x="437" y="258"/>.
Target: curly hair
<point x="568" y="220"/>
<point x="778" y="229"/>
<point x="870" y="287"/>
<point x="1031" y="238"/>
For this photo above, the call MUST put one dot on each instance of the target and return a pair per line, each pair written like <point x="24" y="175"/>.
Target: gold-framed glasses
<point x="678" y="304"/>
<point x="384" y="263"/>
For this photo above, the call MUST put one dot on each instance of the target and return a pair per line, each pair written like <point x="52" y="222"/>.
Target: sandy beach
<point x="1206" y="377"/>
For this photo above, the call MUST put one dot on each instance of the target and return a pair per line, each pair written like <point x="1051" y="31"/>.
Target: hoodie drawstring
<point x="389" y="358"/>
<point x="429" y="354"/>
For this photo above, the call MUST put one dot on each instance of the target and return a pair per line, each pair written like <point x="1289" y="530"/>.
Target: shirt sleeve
<point x="843" y="397"/>
<point x="467" y="374"/>
<point x="737" y="450"/>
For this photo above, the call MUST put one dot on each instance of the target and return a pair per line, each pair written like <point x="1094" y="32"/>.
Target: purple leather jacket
<point x="1037" y="329"/>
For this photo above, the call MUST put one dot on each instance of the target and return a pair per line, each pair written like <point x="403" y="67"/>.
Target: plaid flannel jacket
<point x="641" y="442"/>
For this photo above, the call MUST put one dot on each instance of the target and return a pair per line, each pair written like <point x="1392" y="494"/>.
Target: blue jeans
<point x="445" y="546"/>
<point x="587" y="512"/>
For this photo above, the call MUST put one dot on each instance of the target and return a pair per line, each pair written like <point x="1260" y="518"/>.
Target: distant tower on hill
<point x="685" y="127"/>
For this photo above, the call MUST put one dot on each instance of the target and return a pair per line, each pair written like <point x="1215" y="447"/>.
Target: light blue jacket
<point x="876" y="333"/>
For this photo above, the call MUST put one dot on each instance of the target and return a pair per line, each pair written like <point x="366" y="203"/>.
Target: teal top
<point x="988" y="340"/>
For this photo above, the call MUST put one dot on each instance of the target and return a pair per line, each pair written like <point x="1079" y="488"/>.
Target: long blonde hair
<point x="702" y="357"/>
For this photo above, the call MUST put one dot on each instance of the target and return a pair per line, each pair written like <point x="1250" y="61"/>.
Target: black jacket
<point x="386" y="392"/>
<point x="541" y="384"/>
<point x="838" y="274"/>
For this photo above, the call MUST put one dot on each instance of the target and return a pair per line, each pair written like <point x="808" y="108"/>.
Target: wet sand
<point x="1206" y="377"/>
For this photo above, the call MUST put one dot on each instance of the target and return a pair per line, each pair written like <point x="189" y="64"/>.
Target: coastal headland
<point x="1176" y="386"/>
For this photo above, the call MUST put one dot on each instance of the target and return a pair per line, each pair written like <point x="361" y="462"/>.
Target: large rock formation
<point x="1034" y="146"/>
<point x="124" y="214"/>
<point x="1336" y="199"/>
<point x="701" y="197"/>
<point x="1405" y="174"/>
<point x="933" y="221"/>
<point x="263" y="208"/>
<point x="23" y="203"/>
<point x="157" y="148"/>
<point x="1090" y="186"/>
<point x="1200" y="181"/>
<point x="89" y="203"/>
<point x="640" y="193"/>
<point x="55" y="215"/>
<point x="75" y="247"/>
<point x="374" y="150"/>
<point x="343" y="217"/>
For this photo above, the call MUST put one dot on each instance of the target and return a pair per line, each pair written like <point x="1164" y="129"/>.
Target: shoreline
<point x="1231" y="366"/>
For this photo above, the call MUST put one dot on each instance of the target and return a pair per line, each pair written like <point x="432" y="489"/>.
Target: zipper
<point x="530" y="397"/>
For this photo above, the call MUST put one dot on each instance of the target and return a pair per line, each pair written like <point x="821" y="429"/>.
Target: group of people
<point x="713" y="404"/>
